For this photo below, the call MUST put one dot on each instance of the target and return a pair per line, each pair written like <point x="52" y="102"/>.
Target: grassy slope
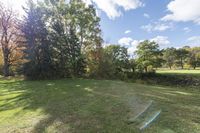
<point x="93" y="106"/>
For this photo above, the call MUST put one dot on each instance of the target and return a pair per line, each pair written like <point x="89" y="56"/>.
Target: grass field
<point x="90" y="106"/>
<point x="195" y="73"/>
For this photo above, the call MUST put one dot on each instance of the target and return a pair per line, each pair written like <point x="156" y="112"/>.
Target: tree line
<point x="150" y="57"/>
<point x="56" y="39"/>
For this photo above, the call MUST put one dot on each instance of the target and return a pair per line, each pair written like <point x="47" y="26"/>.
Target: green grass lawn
<point x="90" y="106"/>
<point x="195" y="73"/>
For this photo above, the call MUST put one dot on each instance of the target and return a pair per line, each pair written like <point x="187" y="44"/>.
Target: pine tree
<point x="37" y="52"/>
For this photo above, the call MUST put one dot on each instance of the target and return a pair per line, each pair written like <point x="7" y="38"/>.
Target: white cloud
<point x="133" y="47"/>
<point x="193" y="41"/>
<point x="186" y="29"/>
<point x="136" y="42"/>
<point x="130" y="44"/>
<point x="161" y="27"/>
<point x="125" y="41"/>
<point x="127" y="31"/>
<point x="183" y="10"/>
<point x="157" y="26"/>
<point x="163" y="41"/>
<point x="194" y="38"/>
<point x="112" y="7"/>
<point x="105" y="44"/>
<point x="88" y="2"/>
<point x="147" y="28"/>
<point x="146" y="15"/>
<point x="131" y="50"/>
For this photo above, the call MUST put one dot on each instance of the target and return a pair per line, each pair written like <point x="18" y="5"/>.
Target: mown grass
<point x="90" y="106"/>
<point x="180" y="72"/>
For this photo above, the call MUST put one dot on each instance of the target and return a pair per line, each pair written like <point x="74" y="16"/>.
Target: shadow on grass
<point x="75" y="106"/>
<point x="60" y="100"/>
<point x="67" y="106"/>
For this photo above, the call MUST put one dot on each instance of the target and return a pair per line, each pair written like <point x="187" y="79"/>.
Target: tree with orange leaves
<point x="10" y="39"/>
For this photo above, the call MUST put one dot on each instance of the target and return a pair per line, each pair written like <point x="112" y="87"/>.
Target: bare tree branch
<point x="9" y="42"/>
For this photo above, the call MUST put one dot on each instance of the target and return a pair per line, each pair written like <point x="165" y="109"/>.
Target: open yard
<point x="96" y="106"/>
<point x="180" y="72"/>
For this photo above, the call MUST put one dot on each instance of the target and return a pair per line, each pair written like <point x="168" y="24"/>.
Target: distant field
<point x="180" y="72"/>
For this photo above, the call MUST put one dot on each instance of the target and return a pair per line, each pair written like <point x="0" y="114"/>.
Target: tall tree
<point x="181" y="55"/>
<point x="115" y="61"/>
<point x="194" y="57"/>
<point x="58" y="29"/>
<point x="147" y="54"/>
<point x="68" y="32"/>
<point x="132" y="64"/>
<point x="119" y="56"/>
<point x="89" y="33"/>
<point x="9" y="38"/>
<point x="64" y="37"/>
<point x="37" y="52"/>
<point x="87" y="24"/>
<point x="169" y="55"/>
<point x="77" y="59"/>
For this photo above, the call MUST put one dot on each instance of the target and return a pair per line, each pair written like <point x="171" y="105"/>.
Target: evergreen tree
<point x="77" y="59"/>
<point x="37" y="52"/>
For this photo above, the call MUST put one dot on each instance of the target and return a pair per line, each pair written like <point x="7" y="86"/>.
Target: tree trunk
<point x="194" y="67"/>
<point x="6" y="64"/>
<point x="145" y="68"/>
<point x="181" y="63"/>
<point x="6" y="67"/>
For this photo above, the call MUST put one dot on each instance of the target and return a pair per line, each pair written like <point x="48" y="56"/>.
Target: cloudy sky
<point x="127" y="22"/>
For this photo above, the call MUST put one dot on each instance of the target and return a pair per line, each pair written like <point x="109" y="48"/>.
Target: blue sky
<point x="168" y="22"/>
<point x="127" y="22"/>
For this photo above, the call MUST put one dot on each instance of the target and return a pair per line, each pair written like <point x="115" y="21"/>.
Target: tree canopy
<point x="58" y="39"/>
